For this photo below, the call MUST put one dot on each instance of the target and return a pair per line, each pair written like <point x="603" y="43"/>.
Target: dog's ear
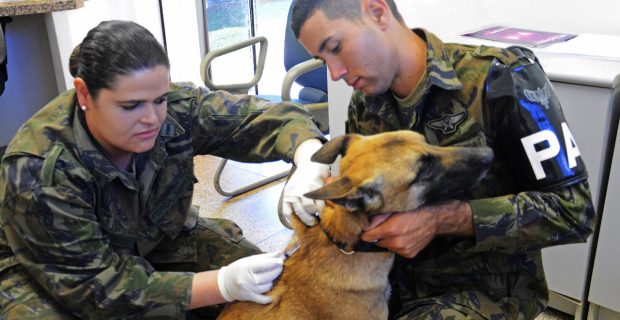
<point x="365" y="198"/>
<point x="332" y="149"/>
<point x="337" y="189"/>
<point x="342" y="192"/>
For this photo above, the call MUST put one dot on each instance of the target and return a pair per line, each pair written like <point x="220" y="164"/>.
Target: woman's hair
<point x="348" y="9"/>
<point x="112" y="49"/>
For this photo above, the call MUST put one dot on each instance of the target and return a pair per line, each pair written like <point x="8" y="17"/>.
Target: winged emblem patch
<point x="540" y="95"/>
<point x="448" y="123"/>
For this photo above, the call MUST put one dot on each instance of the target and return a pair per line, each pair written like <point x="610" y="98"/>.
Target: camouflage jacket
<point x="462" y="100"/>
<point x="81" y="228"/>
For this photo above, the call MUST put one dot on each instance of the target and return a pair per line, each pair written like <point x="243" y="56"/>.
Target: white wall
<point x="185" y="38"/>
<point x="39" y="47"/>
<point x="446" y="17"/>
<point x="31" y="81"/>
<point x="66" y="29"/>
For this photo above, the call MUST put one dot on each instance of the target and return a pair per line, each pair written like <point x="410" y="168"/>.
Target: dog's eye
<point x="427" y="167"/>
<point x="413" y="181"/>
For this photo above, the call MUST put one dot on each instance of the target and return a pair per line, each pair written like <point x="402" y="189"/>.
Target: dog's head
<point x="398" y="171"/>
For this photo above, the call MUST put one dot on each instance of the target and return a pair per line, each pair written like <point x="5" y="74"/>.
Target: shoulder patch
<point x="506" y="56"/>
<point x="448" y="123"/>
<point x="540" y="95"/>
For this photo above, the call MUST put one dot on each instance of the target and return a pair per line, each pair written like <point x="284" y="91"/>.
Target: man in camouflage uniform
<point x="125" y="245"/>
<point x="474" y="259"/>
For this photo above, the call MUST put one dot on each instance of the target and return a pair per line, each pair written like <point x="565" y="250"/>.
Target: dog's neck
<point x="351" y="247"/>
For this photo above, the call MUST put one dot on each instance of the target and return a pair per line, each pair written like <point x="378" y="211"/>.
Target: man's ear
<point x="377" y="9"/>
<point x="81" y="91"/>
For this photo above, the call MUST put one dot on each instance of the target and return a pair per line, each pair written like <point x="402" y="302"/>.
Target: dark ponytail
<point x="73" y="61"/>
<point x="112" y="49"/>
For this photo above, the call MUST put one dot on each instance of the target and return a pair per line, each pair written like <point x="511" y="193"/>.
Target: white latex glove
<point x="308" y="176"/>
<point x="247" y="278"/>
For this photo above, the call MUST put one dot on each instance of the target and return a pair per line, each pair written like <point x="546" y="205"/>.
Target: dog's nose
<point x="478" y="157"/>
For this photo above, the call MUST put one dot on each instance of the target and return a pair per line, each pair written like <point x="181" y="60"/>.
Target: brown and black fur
<point x="389" y="172"/>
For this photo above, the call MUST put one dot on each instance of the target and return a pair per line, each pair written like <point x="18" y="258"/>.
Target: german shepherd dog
<point x="326" y="276"/>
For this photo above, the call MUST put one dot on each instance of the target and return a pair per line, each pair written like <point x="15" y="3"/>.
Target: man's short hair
<point x="348" y="9"/>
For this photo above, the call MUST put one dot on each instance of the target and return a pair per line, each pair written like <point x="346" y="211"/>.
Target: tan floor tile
<point x="256" y="211"/>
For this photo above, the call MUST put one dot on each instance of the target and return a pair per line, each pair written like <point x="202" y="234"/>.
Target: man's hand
<point x="408" y="233"/>
<point x="308" y="176"/>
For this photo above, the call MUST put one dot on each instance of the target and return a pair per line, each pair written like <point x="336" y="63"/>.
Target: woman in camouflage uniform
<point x="96" y="188"/>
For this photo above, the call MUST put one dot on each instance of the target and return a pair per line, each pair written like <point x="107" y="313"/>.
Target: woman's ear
<point x="81" y="91"/>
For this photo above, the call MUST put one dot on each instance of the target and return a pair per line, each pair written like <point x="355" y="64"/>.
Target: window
<point x="231" y="21"/>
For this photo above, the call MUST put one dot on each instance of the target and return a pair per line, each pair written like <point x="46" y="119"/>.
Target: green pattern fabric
<point x="79" y="237"/>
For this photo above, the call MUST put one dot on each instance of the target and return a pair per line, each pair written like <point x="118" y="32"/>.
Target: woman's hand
<point x="248" y="278"/>
<point x="308" y="176"/>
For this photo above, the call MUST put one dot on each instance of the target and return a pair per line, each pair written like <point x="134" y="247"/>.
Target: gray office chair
<point x="237" y="88"/>
<point x="301" y="68"/>
<point x="308" y="72"/>
<point x="318" y="109"/>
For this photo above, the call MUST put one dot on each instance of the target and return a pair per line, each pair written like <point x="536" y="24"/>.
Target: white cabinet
<point x="588" y="112"/>
<point x="586" y="80"/>
<point x="605" y="286"/>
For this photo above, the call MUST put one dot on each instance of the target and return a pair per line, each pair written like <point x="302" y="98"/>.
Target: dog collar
<point x="348" y="249"/>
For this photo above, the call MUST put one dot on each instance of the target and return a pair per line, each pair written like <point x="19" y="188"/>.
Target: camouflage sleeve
<point x="73" y="260"/>
<point x="247" y="128"/>
<point x="551" y="203"/>
<point x="533" y="219"/>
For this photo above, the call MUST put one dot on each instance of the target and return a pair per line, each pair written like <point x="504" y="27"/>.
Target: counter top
<point x="587" y="59"/>
<point x="23" y="7"/>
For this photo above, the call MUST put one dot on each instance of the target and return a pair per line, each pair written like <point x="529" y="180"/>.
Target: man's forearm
<point x="454" y="218"/>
